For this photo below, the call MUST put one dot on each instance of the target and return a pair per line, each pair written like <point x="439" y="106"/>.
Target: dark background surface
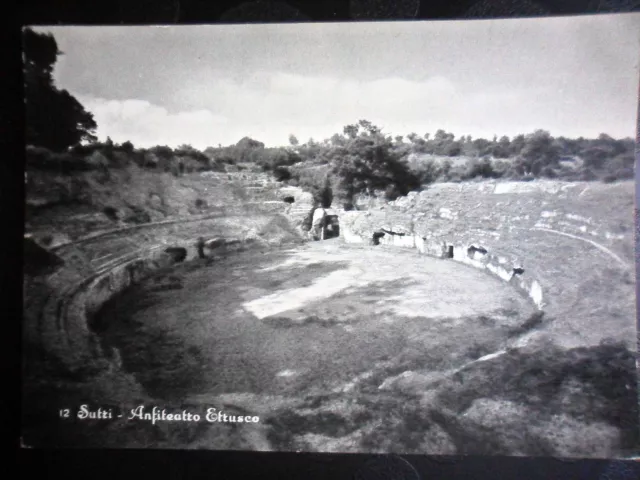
<point x="115" y="465"/>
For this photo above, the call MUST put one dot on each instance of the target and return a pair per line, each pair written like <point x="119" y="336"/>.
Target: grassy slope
<point x="75" y="205"/>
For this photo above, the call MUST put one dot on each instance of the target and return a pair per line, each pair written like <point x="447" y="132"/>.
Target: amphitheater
<point x="473" y="318"/>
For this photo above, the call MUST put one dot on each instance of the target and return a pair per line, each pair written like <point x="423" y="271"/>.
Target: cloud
<point x="269" y="106"/>
<point x="275" y="104"/>
<point x="145" y="124"/>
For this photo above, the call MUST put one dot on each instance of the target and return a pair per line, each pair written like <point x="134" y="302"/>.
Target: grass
<point x="92" y="200"/>
<point x="544" y="399"/>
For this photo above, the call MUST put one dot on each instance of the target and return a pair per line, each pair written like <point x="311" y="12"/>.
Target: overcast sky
<point x="210" y="85"/>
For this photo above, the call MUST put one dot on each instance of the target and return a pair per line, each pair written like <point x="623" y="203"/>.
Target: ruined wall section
<point x="403" y="230"/>
<point x="534" y="235"/>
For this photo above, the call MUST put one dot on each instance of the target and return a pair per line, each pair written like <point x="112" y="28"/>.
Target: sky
<point x="211" y="85"/>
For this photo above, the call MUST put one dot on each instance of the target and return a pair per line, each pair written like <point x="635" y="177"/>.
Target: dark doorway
<point x="471" y="251"/>
<point x="450" y="251"/>
<point x="376" y="237"/>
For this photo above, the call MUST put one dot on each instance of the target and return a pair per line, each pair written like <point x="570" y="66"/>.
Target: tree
<point x="127" y="147"/>
<point x="323" y="193"/>
<point x="55" y="119"/>
<point x="369" y="162"/>
<point x="539" y="151"/>
<point x="452" y="149"/>
<point x="368" y="127"/>
<point x="482" y="147"/>
<point x="442" y="143"/>
<point x="501" y="149"/>
<point x="517" y="144"/>
<point x="249" y="143"/>
<point x="351" y="131"/>
<point x="337" y="140"/>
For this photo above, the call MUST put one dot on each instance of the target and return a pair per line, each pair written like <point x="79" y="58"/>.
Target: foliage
<point x="281" y="173"/>
<point x="250" y="151"/>
<point x="54" y="118"/>
<point x="59" y="162"/>
<point x="366" y="161"/>
<point x="323" y="193"/>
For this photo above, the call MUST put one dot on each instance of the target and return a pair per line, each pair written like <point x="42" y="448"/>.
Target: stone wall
<point x="63" y="326"/>
<point x="302" y="205"/>
<point x="400" y="231"/>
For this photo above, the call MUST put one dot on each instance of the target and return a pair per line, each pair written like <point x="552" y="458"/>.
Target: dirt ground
<point x="306" y="317"/>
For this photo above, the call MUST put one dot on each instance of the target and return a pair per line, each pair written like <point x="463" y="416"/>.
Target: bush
<point x="482" y="168"/>
<point x="64" y="163"/>
<point x="120" y="159"/>
<point x="428" y="171"/>
<point x="281" y="173"/>
<point x="595" y="157"/>
<point x="85" y="150"/>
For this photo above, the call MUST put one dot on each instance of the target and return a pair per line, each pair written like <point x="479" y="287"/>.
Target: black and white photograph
<point x="380" y="237"/>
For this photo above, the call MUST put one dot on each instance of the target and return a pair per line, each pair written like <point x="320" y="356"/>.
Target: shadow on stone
<point x="38" y="260"/>
<point x="178" y="254"/>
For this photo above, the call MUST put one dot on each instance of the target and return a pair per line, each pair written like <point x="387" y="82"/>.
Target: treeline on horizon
<point x="361" y="159"/>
